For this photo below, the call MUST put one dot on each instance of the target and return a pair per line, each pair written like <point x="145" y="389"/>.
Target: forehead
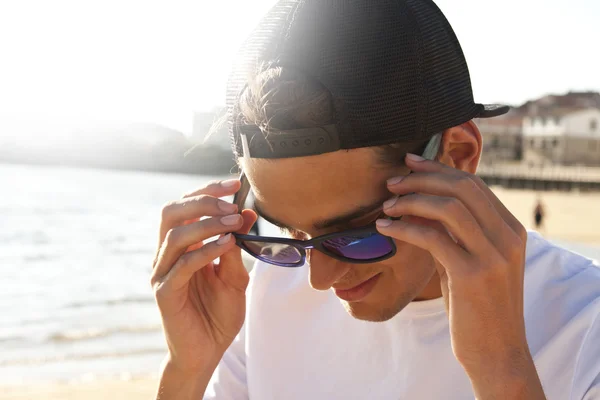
<point x="300" y="191"/>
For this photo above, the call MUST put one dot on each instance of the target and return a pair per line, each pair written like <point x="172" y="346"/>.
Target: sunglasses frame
<point x="315" y="243"/>
<point x="430" y="153"/>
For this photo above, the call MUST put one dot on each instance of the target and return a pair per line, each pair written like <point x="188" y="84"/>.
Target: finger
<point x="190" y="263"/>
<point x="439" y="244"/>
<point x="217" y="189"/>
<point x="434" y="166"/>
<point x="231" y="268"/>
<point x="510" y="219"/>
<point x="449" y="182"/>
<point x="179" y="239"/>
<point x="449" y="211"/>
<point x="191" y="209"/>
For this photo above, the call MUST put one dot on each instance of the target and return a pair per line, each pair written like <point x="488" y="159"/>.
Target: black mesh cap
<point x="394" y="67"/>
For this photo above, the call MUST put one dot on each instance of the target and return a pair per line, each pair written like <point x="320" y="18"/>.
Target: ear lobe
<point x="461" y="147"/>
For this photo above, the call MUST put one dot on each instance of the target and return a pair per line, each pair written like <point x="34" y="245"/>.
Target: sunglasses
<point x="358" y="246"/>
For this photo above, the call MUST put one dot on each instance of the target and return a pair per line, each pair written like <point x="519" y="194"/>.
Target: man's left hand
<point x="479" y="250"/>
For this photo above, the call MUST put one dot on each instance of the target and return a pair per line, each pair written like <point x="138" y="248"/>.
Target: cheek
<point x="411" y="264"/>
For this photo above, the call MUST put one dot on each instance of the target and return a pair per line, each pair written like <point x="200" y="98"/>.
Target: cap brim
<point x="493" y="110"/>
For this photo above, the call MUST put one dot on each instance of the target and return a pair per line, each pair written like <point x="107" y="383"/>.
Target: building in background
<point x="552" y="130"/>
<point x="571" y="100"/>
<point x="502" y="137"/>
<point x="566" y="137"/>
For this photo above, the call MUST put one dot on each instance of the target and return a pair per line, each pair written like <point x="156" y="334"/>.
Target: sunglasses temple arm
<point x="239" y="198"/>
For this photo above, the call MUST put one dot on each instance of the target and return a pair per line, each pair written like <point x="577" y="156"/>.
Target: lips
<point x="358" y="292"/>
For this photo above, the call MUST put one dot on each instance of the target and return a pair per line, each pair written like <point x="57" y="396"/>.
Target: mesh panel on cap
<point x="355" y="49"/>
<point x="449" y="93"/>
<point x="394" y="67"/>
<point x="260" y="47"/>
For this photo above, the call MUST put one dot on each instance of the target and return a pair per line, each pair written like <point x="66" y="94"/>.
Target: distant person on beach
<point x="538" y="215"/>
<point x="403" y="275"/>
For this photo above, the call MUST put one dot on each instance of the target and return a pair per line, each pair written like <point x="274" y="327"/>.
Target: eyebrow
<point x="338" y="221"/>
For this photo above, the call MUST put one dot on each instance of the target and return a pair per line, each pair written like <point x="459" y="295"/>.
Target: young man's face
<point x="301" y="192"/>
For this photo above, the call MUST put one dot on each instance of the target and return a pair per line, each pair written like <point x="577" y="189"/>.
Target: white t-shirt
<point x="299" y="343"/>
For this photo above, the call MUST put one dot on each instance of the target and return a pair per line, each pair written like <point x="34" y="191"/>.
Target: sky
<point x="159" y="61"/>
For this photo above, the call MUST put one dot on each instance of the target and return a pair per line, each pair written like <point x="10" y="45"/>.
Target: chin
<point x="374" y="312"/>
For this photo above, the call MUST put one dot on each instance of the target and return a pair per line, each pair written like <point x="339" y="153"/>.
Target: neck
<point x="432" y="290"/>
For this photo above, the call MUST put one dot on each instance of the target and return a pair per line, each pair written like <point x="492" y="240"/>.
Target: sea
<point x="76" y="247"/>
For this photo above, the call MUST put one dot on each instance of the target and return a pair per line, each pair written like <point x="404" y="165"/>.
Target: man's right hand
<point x="202" y="303"/>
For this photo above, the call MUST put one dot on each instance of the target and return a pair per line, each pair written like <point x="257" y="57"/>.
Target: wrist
<point x="185" y="382"/>
<point x="499" y="356"/>
<point x="172" y="367"/>
<point x="512" y="377"/>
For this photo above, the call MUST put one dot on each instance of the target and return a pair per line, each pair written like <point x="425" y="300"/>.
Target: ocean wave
<point x="12" y="339"/>
<point x="80" y="357"/>
<point x="111" y="302"/>
<point x="39" y="257"/>
<point x="27" y="322"/>
<point x="131" y="251"/>
<point x="87" y="334"/>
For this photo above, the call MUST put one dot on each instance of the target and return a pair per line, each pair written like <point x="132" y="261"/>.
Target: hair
<point x="281" y="99"/>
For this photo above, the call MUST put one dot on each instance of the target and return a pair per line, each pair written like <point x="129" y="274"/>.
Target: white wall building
<point x="580" y="123"/>
<point x="585" y="123"/>
<point x="563" y="136"/>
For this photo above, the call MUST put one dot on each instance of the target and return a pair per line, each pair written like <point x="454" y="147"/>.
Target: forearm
<point x="515" y="381"/>
<point x="184" y="385"/>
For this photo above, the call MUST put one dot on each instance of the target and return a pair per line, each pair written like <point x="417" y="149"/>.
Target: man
<point x="538" y="214"/>
<point x="353" y="124"/>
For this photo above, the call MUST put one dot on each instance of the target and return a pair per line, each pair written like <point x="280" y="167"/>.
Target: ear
<point x="461" y="147"/>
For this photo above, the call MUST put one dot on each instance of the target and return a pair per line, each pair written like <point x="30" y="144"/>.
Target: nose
<point x="324" y="271"/>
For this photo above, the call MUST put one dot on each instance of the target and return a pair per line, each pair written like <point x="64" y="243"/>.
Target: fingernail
<point x="224" y="239"/>
<point x="395" y="181"/>
<point x="226" y="207"/>
<point x="414" y="157"/>
<point x="384" y="223"/>
<point x="231" y="220"/>
<point x="390" y="203"/>
<point x="229" y="182"/>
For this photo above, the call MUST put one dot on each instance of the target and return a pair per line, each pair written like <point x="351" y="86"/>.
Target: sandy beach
<point x="571" y="217"/>
<point x="136" y="389"/>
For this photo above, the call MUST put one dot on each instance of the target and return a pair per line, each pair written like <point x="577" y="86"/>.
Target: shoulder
<point x="562" y="312"/>
<point x="558" y="280"/>
<point x="548" y="264"/>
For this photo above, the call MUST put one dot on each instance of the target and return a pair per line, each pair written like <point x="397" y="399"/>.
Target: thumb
<point x="231" y="269"/>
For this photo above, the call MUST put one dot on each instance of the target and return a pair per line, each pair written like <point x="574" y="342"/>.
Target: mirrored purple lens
<point x="365" y="247"/>
<point x="274" y="252"/>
